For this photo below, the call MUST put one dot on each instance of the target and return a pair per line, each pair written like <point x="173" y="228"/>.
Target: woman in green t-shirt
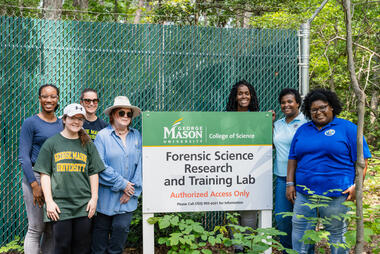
<point x="69" y="165"/>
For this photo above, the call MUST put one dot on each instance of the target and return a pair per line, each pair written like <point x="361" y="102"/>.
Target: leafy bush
<point x="371" y="214"/>
<point x="135" y="236"/>
<point x="14" y="247"/>
<point x="320" y="234"/>
<point x="187" y="236"/>
<point x="371" y="210"/>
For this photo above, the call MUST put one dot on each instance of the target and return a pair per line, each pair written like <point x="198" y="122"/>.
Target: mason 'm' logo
<point x="179" y="133"/>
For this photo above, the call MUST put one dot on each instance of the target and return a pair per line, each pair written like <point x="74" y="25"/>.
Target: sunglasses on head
<point x="123" y="113"/>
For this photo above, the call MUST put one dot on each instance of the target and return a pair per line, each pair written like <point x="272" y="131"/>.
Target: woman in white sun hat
<point x="120" y="185"/>
<point x="69" y="165"/>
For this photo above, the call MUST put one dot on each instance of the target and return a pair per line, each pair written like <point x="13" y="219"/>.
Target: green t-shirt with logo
<point x="69" y="165"/>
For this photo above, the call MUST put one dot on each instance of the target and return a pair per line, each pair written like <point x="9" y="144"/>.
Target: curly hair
<point x="324" y="95"/>
<point x="232" y="103"/>
<point x="292" y="91"/>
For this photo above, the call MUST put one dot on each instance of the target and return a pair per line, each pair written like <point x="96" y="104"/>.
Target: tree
<point x="82" y="4"/>
<point x="138" y="12"/>
<point x="52" y="9"/>
<point x="361" y="102"/>
<point x="328" y="62"/>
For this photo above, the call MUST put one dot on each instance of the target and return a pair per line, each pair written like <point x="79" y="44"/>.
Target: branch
<point x="369" y="68"/>
<point x="359" y="74"/>
<point x="360" y="46"/>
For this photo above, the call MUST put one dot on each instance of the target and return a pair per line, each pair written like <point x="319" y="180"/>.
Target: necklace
<point x="121" y="132"/>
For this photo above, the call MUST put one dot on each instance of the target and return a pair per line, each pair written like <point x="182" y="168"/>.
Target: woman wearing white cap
<point x="120" y="184"/>
<point x="69" y="165"/>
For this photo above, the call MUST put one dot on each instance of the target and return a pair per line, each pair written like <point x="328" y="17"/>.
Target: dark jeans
<point x="110" y="233"/>
<point x="72" y="236"/>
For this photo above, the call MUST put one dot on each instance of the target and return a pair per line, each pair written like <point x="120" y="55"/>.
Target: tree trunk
<point x="52" y="9"/>
<point x="138" y="12"/>
<point x="82" y="4"/>
<point x="196" y="13"/>
<point x="373" y="116"/>
<point x="116" y="11"/>
<point x="247" y="16"/>
<point x="374" y="105"/>
<point x="361" y="103"/>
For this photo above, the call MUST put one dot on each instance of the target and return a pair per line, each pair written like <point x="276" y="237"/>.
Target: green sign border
<point x="206" y="128"/>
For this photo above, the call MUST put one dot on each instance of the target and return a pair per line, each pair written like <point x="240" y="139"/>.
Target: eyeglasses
<point x="323" y="108"/>
<point x="123" y="113"/>
<point x="77" y="118"/>
<point x="88" y="101"/>
<point x="49" y="96"/>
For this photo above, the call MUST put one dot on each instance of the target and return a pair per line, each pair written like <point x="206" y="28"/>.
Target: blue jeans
<point x="39" y="237"/>
<point x="281" y="204"/>
<point x="337" y="228"/>
<point x="110" y="233"/>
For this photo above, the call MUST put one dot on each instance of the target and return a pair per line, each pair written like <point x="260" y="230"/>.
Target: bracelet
<point x="289" y="184"/>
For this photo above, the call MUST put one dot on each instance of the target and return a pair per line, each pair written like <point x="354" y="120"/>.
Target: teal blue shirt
<point x="283" y="133"/>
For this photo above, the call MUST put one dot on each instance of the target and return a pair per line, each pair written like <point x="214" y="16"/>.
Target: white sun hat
<point x="74" y="109"/>
<point x="123" y="102"/>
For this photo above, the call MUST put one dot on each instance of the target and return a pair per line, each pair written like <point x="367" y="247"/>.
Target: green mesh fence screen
<point x="160" y="68"/>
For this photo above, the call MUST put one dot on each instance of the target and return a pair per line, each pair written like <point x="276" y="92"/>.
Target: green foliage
<point x="185" y="235"/>
<point x="328" y="60"/>
<point x="312" y="236"/>
<point x="371" y="214"/>
<point x="371" y="210"/>
<point x="372" y="179"/>
<point x="16" y="246"/>
<point x="135" y="236"/>
<point x="213" y="12"/>
<point x="106" y="10"/>
<point x="188" y="236"/>
<point x="320" y="235"/>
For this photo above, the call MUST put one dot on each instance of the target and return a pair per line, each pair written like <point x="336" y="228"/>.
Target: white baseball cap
<point x="74" y="109"/>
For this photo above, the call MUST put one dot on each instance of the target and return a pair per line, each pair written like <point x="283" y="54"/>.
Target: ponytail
<point x="83" y="137"/>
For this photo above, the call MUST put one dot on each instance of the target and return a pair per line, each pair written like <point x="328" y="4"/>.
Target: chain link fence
<point x="160" y="68"/>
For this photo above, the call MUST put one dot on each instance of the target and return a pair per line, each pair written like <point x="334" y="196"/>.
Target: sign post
<point x="207" y="161"/>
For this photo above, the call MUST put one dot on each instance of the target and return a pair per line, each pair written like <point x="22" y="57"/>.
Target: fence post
<point x="265" y="221"/>
<point x="148" y="234"/>
<point x="304" y="35"/>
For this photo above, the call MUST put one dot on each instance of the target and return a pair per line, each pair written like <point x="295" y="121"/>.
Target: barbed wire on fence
<point x="147" y="16"/>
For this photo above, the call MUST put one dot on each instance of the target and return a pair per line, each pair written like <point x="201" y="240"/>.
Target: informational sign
<point x="207" y="161"/>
